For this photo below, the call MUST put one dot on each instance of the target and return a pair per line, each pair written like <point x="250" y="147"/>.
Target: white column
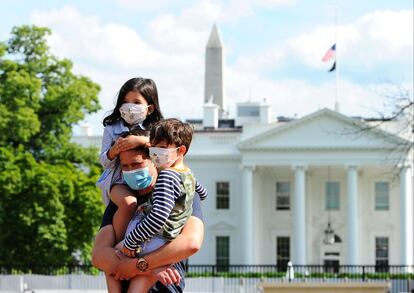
<point x="299" y="236"/>
<point x="247" y="215"/>
<point x="406" y="216"/>
<point x="352" y="217"/>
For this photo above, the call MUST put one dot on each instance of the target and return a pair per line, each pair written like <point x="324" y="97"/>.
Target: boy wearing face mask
<point x="172" y="198"/>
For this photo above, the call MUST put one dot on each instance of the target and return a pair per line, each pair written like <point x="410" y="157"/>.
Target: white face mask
<point x="133" y="113"/>
<point x="161" y="157"/>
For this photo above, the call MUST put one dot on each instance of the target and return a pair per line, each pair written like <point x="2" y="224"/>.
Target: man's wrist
<point x="142" y="265"/>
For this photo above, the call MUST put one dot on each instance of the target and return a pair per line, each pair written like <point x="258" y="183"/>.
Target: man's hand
<point x="125" y="269"/>
<point x="167" y="275"/>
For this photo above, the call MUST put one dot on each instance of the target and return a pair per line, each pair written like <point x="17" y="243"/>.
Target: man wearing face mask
<point x="141" y="176"/>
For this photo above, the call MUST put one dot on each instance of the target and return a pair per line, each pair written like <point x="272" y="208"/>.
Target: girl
<point x="136" y="109"/>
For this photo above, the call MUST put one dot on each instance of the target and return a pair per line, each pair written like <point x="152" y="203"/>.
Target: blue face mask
<point x="137" y="179"/>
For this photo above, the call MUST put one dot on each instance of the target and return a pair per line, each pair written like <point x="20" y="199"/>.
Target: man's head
<point x="170" y="139"/>
<point x="138" y="170"/>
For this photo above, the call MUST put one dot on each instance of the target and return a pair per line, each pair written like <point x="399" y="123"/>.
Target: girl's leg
<point x="141" y="283"/>
<point x="126" y="202"/>
<point x="112" y="285"/>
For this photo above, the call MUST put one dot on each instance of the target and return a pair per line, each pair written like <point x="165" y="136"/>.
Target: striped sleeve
<point x="166" y="191"/>
<point x="201" y="190"/>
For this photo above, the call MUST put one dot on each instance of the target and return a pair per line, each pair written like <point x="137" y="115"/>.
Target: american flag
<point x="329" y="54"/>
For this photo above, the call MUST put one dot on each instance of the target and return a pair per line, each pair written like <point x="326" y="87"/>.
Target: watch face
<point x="142" y="264"/>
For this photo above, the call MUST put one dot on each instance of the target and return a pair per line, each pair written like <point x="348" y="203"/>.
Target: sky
<point x="273" y="50"/>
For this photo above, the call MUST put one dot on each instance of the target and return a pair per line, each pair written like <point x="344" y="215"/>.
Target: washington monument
<point x="213" y="83"/>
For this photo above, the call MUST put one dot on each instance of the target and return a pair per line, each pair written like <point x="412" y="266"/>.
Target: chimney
<point x="210" y="111"/>
<point x="85" y="129"/>
<point x="337" y="107"/>
<point x="265" y="113"/>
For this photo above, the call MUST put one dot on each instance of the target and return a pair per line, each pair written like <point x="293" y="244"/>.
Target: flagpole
<point x="336" y="104"/>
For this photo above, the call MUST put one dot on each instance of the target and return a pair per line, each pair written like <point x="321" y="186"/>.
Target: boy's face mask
<point x="138" y="179"/>
<point x="162" y="157"/>
<point x="133" y="113"/>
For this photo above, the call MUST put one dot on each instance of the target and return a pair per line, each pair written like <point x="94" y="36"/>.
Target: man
<point x="106" y="258"/>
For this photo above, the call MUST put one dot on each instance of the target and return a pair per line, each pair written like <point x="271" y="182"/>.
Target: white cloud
<point x="375" y="37"/>
<point x="172" y="53"/>
<point x="87" y="38"/>
<point x="294" y="96"/>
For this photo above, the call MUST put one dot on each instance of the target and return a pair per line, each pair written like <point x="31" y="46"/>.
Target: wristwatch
<point x="142" y="264"/>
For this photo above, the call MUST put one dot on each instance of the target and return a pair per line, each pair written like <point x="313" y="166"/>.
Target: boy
<point x="171" y="201"/>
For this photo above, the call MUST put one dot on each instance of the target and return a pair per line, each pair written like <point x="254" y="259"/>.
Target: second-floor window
<point x="282" y="195"/>
<point x="332" y="195"/>
<point x="223" y="195"/>
<point x="382" y="196"/>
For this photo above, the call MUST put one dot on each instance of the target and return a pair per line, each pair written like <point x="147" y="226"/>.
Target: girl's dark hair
<point x="147" y="88"/>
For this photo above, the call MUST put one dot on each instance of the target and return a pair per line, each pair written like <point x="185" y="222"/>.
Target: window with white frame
<point x="222" y="252"/>
<point x="382" y="196"/>
<point x="223" y="195"/>
<point x="282" y="195"/>
<point x="381" y="253"/>
<point x="282" y="252"/>
<point x="332" y="195"/>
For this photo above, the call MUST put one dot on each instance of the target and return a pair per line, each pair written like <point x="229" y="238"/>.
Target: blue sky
<point x="272" y="49"/>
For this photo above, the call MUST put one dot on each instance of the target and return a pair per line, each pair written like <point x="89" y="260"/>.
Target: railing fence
<point x="206" y="278"/>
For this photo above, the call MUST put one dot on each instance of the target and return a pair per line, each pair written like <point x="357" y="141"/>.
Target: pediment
<point x="220" y="226"/>
<point x="324" y="129"/>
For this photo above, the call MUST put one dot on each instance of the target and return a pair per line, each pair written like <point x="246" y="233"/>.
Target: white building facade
<point x="273" y="189"/>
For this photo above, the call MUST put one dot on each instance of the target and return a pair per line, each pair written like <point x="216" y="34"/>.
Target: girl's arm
<point x="133" y="141"/>
<point x="108" y="156"/>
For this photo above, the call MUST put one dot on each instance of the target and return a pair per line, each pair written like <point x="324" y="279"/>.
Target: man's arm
<point x="182" y="247"/>
<point x="103" y="253"/>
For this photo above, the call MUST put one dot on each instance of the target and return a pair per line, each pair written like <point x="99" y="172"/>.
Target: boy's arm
<point x="201" y="190"/>
<point x="163" y="201"/>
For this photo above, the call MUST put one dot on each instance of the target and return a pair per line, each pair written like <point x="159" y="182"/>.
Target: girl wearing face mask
<point x="136" y="110"/>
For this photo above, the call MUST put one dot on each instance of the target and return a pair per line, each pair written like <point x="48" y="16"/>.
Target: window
<point x="382" y="196"/>
<point x="381" y="254"/>
<point x="332" y="195"/>
<point x="222" y="253"/>
<point x="282" y="195"/>
<point x="282" y="253"/>
<point x="331" y="265"/>
<point x="248" y="111"/>
<point x="223" y="195"/>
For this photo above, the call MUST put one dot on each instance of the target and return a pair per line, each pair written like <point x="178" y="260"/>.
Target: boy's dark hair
<point x="172" y="131"/>
<point x="148" y="89"/>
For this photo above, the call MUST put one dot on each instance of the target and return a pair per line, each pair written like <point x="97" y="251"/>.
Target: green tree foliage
<point x="49" y="205"/>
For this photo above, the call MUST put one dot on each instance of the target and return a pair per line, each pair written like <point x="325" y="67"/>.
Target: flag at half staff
<point x="330" y="53"/>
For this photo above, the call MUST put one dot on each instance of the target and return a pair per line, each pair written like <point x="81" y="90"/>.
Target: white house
<point x="320" y="189"/>
<point x="274" y="187"/>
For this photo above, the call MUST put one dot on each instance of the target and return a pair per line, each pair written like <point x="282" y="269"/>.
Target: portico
<point x="300" y="155"/>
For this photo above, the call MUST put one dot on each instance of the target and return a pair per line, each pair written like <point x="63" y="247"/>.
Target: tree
<point x="49" y="205"/>
<point x="397" y="119"/>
